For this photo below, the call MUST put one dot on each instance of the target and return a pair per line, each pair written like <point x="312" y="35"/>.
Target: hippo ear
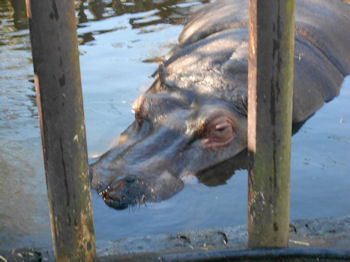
<point x="163" y="73"/>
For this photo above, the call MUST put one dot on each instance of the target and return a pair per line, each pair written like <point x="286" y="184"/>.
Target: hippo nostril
<point x="122" y="184"/>
<point x="130" y="180"/>
<point x="125" y="191"/>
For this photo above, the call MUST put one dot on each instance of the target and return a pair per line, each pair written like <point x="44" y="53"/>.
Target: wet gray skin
<point x="193" y="119"/>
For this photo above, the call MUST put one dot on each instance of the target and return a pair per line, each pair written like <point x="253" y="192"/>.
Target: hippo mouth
<point x="127" y="191"/>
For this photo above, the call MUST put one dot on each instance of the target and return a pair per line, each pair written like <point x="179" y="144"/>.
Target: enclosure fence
<point x="270" y="87"/>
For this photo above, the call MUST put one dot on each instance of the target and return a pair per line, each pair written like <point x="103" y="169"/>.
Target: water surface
<point x="117" y="39"/>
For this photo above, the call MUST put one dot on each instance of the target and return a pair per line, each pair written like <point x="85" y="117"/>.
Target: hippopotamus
<point x="193" y="118"/>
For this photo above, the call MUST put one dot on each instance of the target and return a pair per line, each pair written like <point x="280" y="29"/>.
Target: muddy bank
<point x="321" y="233"/>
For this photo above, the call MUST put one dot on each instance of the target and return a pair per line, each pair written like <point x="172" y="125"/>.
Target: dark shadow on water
<point x="211" y="176"/>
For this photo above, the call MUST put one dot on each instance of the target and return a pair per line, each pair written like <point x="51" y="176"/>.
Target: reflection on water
<point x="162" y="12"/>
<point x="20" y="154"/>
<point x="115" y="37"/>
<point x="23" y="200"/>
<point x="167" y="11"/>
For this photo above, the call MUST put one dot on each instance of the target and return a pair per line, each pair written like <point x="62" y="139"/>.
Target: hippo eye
<point x="218" y="130"/>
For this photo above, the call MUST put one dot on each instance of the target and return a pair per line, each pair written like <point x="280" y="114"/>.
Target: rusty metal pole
<point x="59" y="98"/>
<point x="270" y="91"/>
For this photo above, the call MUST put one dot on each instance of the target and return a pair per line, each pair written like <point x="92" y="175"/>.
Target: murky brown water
<point x="116" y="38"/>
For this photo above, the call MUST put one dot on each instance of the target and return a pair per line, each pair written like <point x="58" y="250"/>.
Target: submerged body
<point x="193" y="119"/>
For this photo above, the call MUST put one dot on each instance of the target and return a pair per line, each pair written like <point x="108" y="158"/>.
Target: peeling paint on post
<point x="58" y="88"/>
<point x="270" y="91"/>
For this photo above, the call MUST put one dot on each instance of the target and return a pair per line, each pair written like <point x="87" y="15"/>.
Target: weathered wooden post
<point x="270" y="89"/>
<point x="58" y="88"/>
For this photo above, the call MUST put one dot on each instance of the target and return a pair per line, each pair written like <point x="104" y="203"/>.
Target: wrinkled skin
<point x="193" y="119"/>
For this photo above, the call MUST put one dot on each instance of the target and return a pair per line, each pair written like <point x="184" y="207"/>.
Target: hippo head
<point x="175" y="134"/>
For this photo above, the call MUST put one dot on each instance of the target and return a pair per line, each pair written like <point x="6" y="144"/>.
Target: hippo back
<point x="322" y="55"/>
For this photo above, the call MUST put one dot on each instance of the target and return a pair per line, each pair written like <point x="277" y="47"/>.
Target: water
<point x="117" y="39"/>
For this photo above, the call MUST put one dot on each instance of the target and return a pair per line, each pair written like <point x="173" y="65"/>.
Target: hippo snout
<point x="127" y="190"/>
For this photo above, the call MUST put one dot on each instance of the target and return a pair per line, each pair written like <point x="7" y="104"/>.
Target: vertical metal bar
<point x="270" y="91"/>
<point x="58" y="87"/>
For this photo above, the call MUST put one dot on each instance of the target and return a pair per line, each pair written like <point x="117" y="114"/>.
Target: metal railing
<point x="58" y="89"/>
<point x="270" y="94"/>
